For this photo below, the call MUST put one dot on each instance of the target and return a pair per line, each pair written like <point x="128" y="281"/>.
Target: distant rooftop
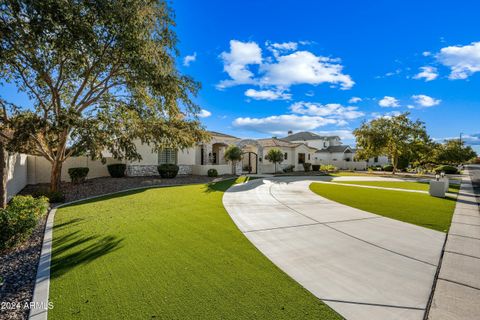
<point x="306" y="136"/>
<point x="219" y="134"/>
<point x="335" y="149"/>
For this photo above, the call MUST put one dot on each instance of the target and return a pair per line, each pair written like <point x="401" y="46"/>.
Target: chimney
<point x="290" y="132"/>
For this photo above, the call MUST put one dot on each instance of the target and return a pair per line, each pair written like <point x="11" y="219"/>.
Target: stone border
<point x="40" y="298"/>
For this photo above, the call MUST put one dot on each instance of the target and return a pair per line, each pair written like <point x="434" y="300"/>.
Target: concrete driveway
<point x="362" y="265"/>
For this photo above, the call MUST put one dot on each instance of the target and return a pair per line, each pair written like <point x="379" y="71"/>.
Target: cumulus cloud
<point x="332" y="110"/>
<point x="426" y="53"/>
<point x="354" y="100"/>
<point x="463" y="61"/>
<point x="284" y="69"/>
<point x="388" y="102"/>
<point x="267" y="95"/>
<point x="279" y="125"/>
<point x="236" y="62"/>
<point x="428" y="73"/>
<point x="343" y="134"/>
<point x="189" y="59"/>
<point x="204" y="113"/>
<point x="387" y="115"/>
<point x="425" y="101"/>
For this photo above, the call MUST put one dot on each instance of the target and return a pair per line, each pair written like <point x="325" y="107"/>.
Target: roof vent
<point x="290" y="132"/>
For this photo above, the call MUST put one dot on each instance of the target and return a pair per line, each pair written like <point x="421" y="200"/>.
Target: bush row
<point x="19" y="219"/>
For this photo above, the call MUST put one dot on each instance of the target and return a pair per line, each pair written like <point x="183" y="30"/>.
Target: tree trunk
<point x="275" y="167"/>
<point x="56" y="175"/>
<point x="3" y="174"/>
<point x="394" y="164"/>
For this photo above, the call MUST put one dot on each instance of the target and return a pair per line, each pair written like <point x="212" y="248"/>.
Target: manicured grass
<point x="410" y="185"/>
<point x="416" y="208"/>
<point x="167" y="253"/>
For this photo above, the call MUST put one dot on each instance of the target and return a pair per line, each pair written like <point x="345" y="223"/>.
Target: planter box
<point x="437" y="188"/>
<point x="447" y="183"/>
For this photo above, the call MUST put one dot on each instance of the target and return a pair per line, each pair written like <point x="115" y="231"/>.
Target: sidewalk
<point x="457" y="292"/>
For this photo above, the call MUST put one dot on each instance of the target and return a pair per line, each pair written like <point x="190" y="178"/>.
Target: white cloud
<point x="354" y="100"/>
<point x="189" y="59"/>
<point x="343" y="134"/>
<point x="235" y="62"/>
<point x="425" y="101"/>
<point x="303" y="67"/>
<point x="388" y="102"/>
<point x="387" y="115"/>
<point x="279" y="125"/>
<point x="463" y="61"/>
<point x="204" y="113"/>
<point x="267" y="95"/>
<point x="426" y="53"/>
<point x="332" y="110"/>
<point x="428" y="73"/>
<point x="281" y="70"/>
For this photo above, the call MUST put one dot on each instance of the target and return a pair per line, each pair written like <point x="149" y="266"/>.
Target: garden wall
<point x="16" y="174"/>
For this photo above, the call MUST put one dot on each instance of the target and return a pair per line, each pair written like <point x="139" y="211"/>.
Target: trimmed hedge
<point x="328" y="168"/>
<point x="19" y="219"/>
<point x="307" y="166"/>
<point x="447" y="169"/>
<point x="168" y="170"/>
<point x="315" y="167"/>
<point x="117" y="170"/>
<point x="212" y="172"/>
<point x="388" y="168"/>
<point x="78" y="175"/>
<point x="288" y="168"/>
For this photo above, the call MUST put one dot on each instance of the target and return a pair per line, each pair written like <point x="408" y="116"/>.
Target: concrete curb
<point x="40" y="298"/>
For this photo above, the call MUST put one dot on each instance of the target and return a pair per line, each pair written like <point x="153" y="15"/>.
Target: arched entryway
<point x="252" y="154"/>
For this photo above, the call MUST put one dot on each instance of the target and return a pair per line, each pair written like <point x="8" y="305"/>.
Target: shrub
<point x="447" y="169"/>
<point x="52" y="196"/>
<point x="19" y="219"/>
<point x="212" y="172"/>
<point x="288" y="168"/>
<point x="388" y="168"/>
<point x="328" y="168"/>
<point x="307" y="166"/>
<point x="117" y="170"/>
<point x="78" y="175"/>
<point x="315" y="167"/>
<point x="168" y="170"/>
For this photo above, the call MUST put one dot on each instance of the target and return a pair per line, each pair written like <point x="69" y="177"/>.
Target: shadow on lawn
<point x="72" y="250"/>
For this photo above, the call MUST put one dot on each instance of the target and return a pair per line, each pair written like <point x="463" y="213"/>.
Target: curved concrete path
<point x="362" y="265"/>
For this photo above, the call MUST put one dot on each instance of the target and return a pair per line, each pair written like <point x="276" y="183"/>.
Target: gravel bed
<point x="18" y="266"/>
<point x="18" y="269"/>
<point x="99" y="186"/>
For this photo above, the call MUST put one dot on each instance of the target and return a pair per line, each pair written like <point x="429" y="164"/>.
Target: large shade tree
<point x="99" y="74"/>
<point x="453" y="151"/>
<point x="396" y="137"/>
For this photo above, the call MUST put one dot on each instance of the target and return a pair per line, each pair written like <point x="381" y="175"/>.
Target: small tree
<point x="453" y="152"/>
<point x="274" y="155"/>
<point x="233" y="154"/>
<point x="393" y="136"/>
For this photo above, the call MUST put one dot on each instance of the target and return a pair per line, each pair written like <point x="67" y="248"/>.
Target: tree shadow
<point x="71" y="222"/>
<point x="72" y="250"/>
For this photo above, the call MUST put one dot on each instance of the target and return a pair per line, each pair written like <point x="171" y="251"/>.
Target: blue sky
<point x="270" y="66"/>
<point x="267" y="67"/>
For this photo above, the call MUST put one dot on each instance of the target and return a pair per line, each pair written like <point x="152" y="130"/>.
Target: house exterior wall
<point x="17" y="173"/>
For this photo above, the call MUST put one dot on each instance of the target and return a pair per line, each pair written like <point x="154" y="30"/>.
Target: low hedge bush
<point x="288" y="168"/>
<point x="52" y="196"/>
<point x="307" y="166"/>
<point x="78" y="175"/>
<point x="19" y="219"/>
<point x="315" y="167"/>
<point x="388" y="168"/>
<point x="447" y="169"/>
<point x="168" y="170"/>
<point x="328" y="168"/>
<point x="212" y="172"/>
<point x="117" y="170"/>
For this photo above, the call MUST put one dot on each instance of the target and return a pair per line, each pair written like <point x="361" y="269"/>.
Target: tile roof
<point x="305" y="136"/>
<point x="219" y="134"/>
<point x="335" y="149"/>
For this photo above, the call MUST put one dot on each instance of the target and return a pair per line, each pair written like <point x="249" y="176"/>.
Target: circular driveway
<point x="362" y="265"/>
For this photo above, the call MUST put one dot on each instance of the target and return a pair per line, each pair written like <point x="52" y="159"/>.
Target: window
<point x="324" y="144"/>
<point x="285" y="156"/>
<point x="309" y="156"/>
<point x="167" y="156"/>
<point x="301" y="158"/>
<point x="375" y="159"/>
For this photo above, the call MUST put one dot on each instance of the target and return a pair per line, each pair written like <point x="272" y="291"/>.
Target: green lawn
<point x="167" y="253"/>
<point x="416" y="208"/>
<point x="400" y="185"/>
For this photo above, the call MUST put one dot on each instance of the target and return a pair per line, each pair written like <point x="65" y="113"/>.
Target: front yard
<point x="167" y="253"/>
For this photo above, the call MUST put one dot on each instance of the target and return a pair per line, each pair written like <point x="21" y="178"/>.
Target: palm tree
<point x="233" y="154"/>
